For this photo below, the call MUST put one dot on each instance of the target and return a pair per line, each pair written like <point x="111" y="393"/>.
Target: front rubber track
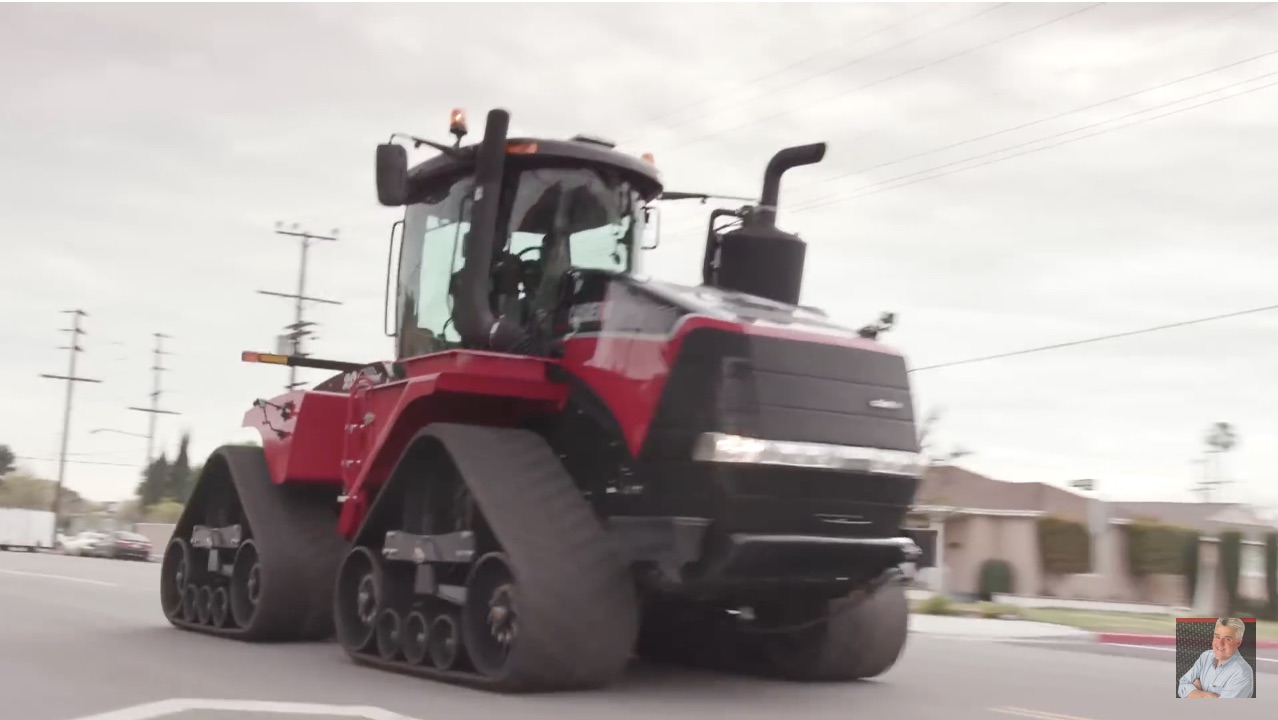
<point x="577" y="598"/>
<point x="294" y="529"/>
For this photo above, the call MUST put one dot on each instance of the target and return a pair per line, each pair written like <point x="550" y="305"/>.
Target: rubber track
<point x="860" y="640"/>
<point x="579" y="616"/>
<point x="298" y="547"/>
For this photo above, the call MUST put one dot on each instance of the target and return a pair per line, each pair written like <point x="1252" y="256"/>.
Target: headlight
<point x="725" y="448"/>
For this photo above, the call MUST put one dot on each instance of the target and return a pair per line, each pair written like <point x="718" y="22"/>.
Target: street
<point x="84" y="638"/>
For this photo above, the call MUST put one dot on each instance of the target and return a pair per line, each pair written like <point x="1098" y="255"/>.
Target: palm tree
<point x="1221" y="438"/>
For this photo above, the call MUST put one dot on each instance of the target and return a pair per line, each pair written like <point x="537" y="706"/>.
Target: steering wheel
<point x="529" y="270"/>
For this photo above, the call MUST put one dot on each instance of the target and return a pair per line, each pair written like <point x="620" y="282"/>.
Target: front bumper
<point x="683" y="552"/>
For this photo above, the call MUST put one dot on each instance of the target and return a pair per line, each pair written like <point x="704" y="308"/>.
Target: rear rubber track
<point x="578" y="615"/>
<point x="291" y="529"/>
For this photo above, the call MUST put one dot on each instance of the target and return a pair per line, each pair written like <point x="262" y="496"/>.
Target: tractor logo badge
<point x="886" y="404"/>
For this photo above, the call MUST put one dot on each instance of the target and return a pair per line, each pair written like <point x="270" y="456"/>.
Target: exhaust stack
<point x="758" y="258"/>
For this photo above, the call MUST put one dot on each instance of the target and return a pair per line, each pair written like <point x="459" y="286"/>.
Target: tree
<point x="179" y="481"/>
<point x="1221" y="438"/>
<point x="155" y="483"/>
<point x="928" y="447"/>
<point x="7" y="460"/>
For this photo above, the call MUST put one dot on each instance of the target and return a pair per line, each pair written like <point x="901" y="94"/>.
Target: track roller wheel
<point x="190" y="603"/>
<point x="204" y="605"/>
<point x="246" y="584"/>
<point x="444" y="641"/>
<point x="858" y="640"/>
<point x="221" y="607"/>
<point x="175" y="574"/>
<point x="389" y="631"/>
<point x="359" y="599"/>
<point x="490" y="617"/>
<point x="416" y="638"/>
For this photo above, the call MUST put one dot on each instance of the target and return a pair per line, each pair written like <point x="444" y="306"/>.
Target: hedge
<point x="1231" y="565"/>
<point x="1156" y="548"/>
<point x="996" y="577"/>
<point x="1193" y="543"/>
<point x="1064" y="546"/>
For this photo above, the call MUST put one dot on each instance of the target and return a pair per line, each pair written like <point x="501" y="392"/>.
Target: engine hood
<point x="741" y="308"/>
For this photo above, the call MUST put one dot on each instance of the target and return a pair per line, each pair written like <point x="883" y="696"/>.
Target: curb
<point x="1163" y="640"/>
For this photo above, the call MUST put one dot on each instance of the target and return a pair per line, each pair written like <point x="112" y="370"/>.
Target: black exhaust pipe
<point x="472" y="315"/>
<point x="784" y="160"/>
<point x="758" y="258"/>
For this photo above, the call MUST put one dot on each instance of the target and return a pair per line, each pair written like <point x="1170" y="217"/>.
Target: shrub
<point x="1271" y="573"/>
<point x="1155" y="549"/>
<point x="1231" y="564"/>
<point x="996" y="577"/>
<point x="1064" y="546"/>
<point x="937" y="604"/>
<point x="1190" y="567"/>
<point x="990" y="610"/>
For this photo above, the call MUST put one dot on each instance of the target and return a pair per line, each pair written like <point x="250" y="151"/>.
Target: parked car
<point x="123" y="545"/>
<point x="82" y="543"/>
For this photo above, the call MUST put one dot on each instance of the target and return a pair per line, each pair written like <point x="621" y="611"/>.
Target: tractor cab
<point x="493" y="231"/>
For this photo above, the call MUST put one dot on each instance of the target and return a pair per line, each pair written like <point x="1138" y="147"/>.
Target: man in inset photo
<point x="1220" y="672"/>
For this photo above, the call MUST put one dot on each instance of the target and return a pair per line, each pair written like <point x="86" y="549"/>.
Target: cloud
<point x="149" y="153"/>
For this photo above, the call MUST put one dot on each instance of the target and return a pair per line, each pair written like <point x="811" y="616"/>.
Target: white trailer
<point x="26" y="529"/>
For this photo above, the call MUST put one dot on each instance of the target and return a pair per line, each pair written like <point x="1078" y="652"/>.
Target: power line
<point x="1195" y="26"/>
<point x="157" y="367"/>
<point x="73" y="350"/>
<point x="934" y="63"/>
<point x="878" y="187"/>
<point x="29" y="458"/>
<point x="1099" y="338"/>
<point x="842" y="45"/>
<point x="1233" y="15"/>
<point x="1050" y="118"/>
<point x="297" y="330"/>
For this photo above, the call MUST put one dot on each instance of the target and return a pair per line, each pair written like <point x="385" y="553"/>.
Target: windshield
<point x="551" y="218"/>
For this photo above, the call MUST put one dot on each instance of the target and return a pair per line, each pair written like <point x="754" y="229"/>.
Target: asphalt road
<point x="84" y="638"/>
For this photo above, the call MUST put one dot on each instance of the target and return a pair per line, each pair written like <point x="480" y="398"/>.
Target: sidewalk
<point x="992" y="629"/>
<point x="996" y="629"/>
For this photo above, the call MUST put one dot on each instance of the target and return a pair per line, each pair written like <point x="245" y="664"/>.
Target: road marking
<point x="1167" y="649"/>
<point x="68" y="578"/>
<point x="1037" y="714"/>
<point x="165" y="708"/>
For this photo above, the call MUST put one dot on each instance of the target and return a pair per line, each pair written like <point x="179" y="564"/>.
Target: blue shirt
<point x="1232" y="679"/>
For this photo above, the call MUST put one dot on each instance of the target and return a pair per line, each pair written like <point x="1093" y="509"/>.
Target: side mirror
<point x="392" y="175"/>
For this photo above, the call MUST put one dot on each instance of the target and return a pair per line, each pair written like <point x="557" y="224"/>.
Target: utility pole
<point x="71" y="379"/>
<point x="297" y="330"/>
<point x="157" y="367"/>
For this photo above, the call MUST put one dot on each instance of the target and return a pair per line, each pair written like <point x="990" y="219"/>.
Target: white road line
<point x="1169" y="649"/>
<point x="165" y="708"/>
<point x="1037" y="714"/>
<point x="68" y="578"/>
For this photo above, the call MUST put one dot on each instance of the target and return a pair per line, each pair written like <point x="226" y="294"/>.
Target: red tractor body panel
<point x="355" y="438"/>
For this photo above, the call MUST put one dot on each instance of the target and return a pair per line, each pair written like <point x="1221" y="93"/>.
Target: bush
<point x="1231" y="564"/>
<point x="1064" y="546"/>
<point x="989" y="610"/>
<point x="996" y="577"/>
<point x="1271" y="573"/>
<point x="1155" y="549"/>
<point x="1190" y="567"/>
<point x="936" y="605"/>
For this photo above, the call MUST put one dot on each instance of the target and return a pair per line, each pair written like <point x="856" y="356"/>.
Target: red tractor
<point x="569" y="464"/>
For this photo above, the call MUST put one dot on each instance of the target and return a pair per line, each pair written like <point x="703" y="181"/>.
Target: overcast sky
<point x="148" y="152"/>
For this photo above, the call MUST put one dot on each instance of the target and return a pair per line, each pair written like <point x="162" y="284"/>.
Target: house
<point x="961" y="519"/>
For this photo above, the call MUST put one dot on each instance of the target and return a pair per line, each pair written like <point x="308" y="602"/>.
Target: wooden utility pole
<point x="71" y="379"/>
